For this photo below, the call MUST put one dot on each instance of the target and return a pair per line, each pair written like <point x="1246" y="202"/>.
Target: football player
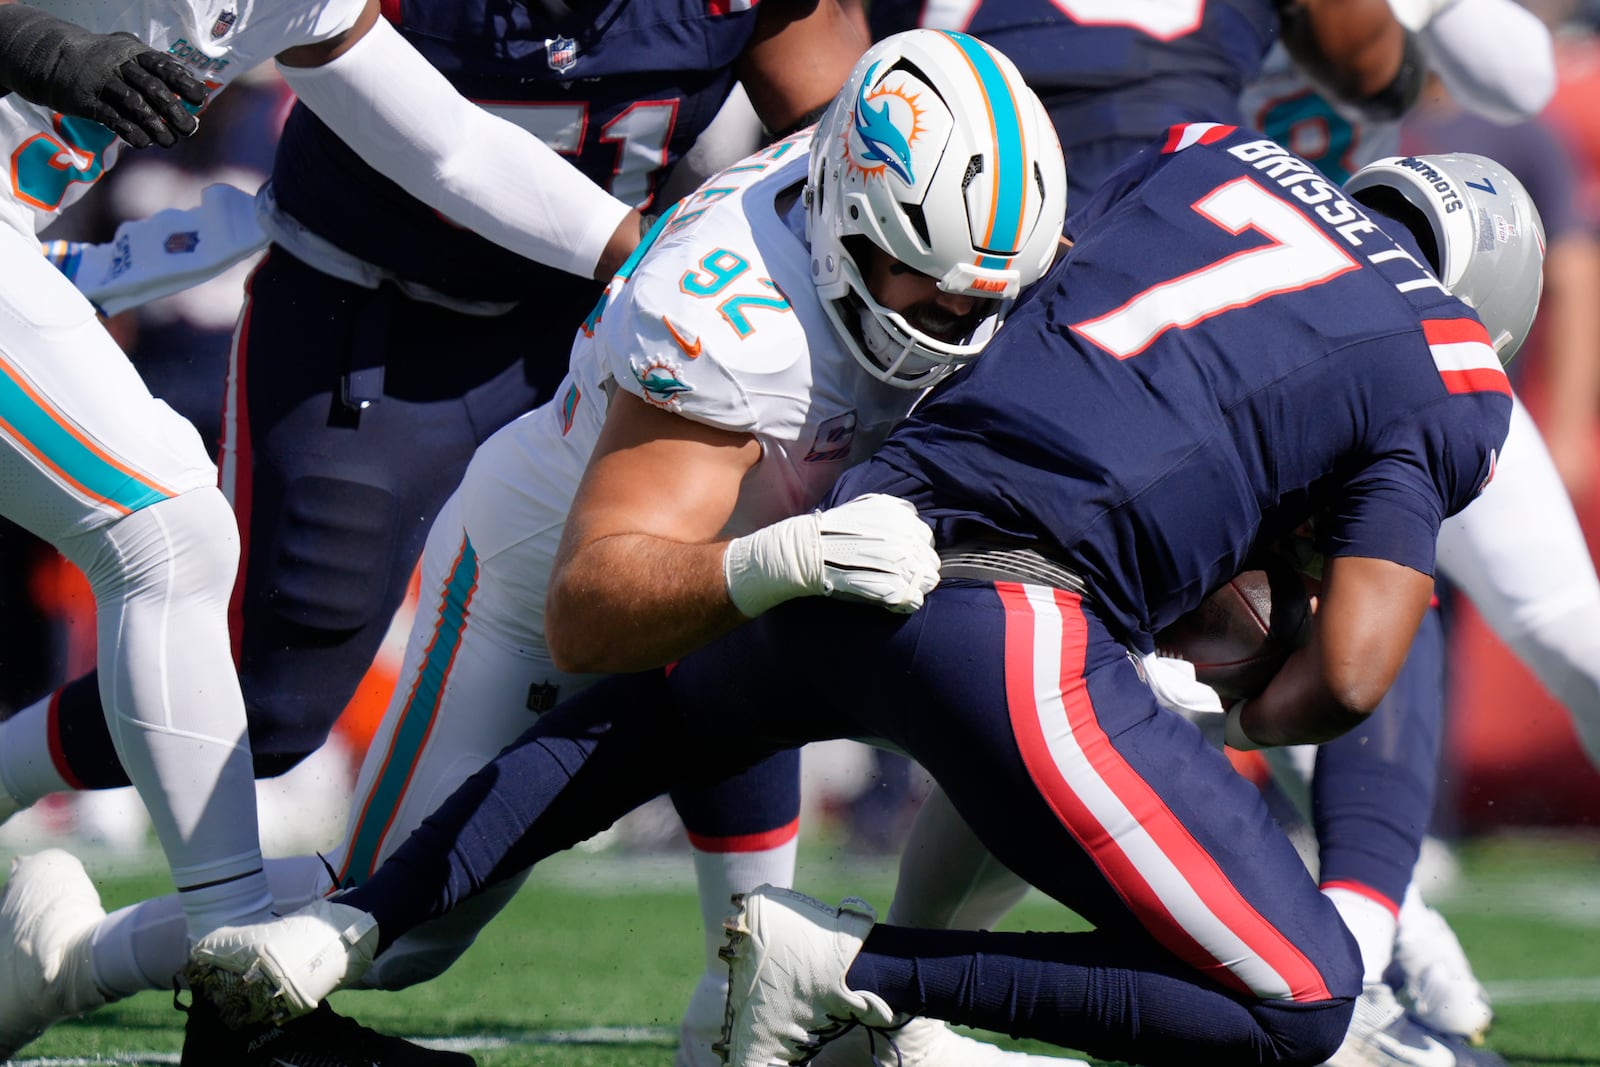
<point x="718" y="391"/>
<point x="1373" y="790"/>
<point x="1122" y="447"/>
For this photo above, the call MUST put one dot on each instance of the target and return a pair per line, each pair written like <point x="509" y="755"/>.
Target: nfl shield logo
<point x="223" y="24"/>
<point x="562" y="53"/>
<point x="182" y="242"/>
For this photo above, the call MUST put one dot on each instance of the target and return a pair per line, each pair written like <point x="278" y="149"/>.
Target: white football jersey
<point x="1285" y="106"/>
<point x="53" y="159"/>
<point x="719" y="323"/>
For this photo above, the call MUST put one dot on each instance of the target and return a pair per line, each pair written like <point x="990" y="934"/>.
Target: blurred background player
<point x="1115" y="77"/>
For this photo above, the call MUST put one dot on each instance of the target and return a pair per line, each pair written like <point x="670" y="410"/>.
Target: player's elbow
<point x="1348" y="697"/>
<point x="572" y="650"/>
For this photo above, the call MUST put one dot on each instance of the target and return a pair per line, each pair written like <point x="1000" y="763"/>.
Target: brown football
<point x="1243" y="631"/>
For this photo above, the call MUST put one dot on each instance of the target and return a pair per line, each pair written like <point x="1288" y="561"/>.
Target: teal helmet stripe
<point x="1011" y="172"/>
<point x="90" y="473"/>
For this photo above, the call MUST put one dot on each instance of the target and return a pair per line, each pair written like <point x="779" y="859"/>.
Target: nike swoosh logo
<point x="1429" y="1054"/>
<point x="690" y="350"/>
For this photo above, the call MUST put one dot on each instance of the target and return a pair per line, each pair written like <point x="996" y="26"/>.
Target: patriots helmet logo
<point x="887" y="123"/>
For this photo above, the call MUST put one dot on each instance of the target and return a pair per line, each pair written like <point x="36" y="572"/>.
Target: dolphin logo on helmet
<point x="979" y="206"/>
<point x="883" y="139"/>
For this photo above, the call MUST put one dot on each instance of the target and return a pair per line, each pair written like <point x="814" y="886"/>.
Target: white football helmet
<point x="937" y="153"/>
<point x="1478" y="227"/>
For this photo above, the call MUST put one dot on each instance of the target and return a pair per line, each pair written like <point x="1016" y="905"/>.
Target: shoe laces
<point x="839" y="1026"/>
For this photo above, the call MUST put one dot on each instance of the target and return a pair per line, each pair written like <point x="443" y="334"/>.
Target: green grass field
<point x="592" y="964"/>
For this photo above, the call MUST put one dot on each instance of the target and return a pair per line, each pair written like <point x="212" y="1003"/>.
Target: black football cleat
<point x="322" y="1039"/>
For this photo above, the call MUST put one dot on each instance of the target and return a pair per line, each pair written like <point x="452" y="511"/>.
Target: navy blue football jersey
<point x="622" y="87"/>
<point x="1230" y="348"/>
<point x="1112" y="68"/>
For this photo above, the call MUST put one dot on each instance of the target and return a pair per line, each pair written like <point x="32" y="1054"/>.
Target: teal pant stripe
<point x="416" y="719"/>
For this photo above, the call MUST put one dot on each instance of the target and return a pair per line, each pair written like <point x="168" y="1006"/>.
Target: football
<point x="1242" y="632"/>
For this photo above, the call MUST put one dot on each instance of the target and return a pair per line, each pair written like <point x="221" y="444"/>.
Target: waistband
<point x="985" y="562"/>
<point x="316" y="251"/>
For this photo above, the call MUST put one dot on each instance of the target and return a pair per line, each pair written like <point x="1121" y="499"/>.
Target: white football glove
<point x="1416" y="14"/>
<point x="170" y="251"/>
<point x="279" y="970"/>
<point x="874" y="549"/>
<point x="1176" y="688"/>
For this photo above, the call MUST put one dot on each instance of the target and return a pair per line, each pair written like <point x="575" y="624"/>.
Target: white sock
<point x="27" y="770"/>
<point x="1373" y="925"/>
<point x="722" y="874"/>
<point x="140" y="947"/>
<point x="948" y="879"/>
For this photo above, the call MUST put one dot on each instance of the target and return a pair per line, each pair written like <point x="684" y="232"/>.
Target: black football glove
<point x="114" y="79"/>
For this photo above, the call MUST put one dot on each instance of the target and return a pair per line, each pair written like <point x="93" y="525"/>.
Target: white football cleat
<point x="788" y="956"/>
<point x="1383" y="1034"/>
<point x="48" y="913"/>
<point x="924" y="1042"/>
<point x="279" y="970"/>
<point x="1443" y="991"/>
<point x="701" y="1025"/>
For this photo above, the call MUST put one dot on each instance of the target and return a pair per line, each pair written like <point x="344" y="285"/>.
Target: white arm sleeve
<point x="1494" y="56"/>
<point x="405" y="120"/>
<point x="1518" y="552"/>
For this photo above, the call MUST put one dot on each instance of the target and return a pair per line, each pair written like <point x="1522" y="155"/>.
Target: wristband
<point x="1233" y="731"/>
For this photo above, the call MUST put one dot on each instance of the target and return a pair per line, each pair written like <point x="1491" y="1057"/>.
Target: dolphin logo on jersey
<point x="886" y="146"/>
<point x="661" y="383"/>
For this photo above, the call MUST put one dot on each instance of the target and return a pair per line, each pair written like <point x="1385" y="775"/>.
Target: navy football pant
<point x="334" y="499"/>
<point x="1212" y="942"/>
<point x="1373" y="790"/>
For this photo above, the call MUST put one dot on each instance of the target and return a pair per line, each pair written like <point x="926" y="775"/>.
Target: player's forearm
<point x="1357" y="51"/>
<point x="407" y="121"/>
<point x="630" y="602"/>
<point x="1367" y="615"/>
<point x="1510" y="82"/>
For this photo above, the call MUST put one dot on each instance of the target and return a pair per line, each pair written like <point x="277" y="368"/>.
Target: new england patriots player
<point x="1188" y="384"/>
<point x="711" y="369"/>
<point x="1374" y="788"/>
<point x="96" y="466"/>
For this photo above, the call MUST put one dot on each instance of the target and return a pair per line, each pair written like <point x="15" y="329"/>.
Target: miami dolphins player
<point x="768" y="338"/>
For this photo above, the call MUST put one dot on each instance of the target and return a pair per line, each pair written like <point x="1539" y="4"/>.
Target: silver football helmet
<point x="937" y="153"/>
<point x="1477" y="225"/>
